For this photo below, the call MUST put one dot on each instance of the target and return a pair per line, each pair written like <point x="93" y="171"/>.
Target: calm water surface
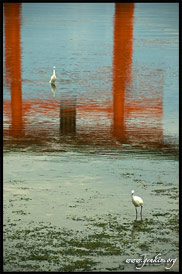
<point x="117" y="76"/>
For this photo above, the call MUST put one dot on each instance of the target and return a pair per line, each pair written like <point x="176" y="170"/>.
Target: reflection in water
<point x="122" y="60"/>
<point x="12" y="12"/>
<point x="136" y="228"/>
<point x="133" y="109"/>
<point x="53" y="88"/>
<point x="144" y="110"/>
<point x="137" y="116"/>
<point x="68" y="116"/>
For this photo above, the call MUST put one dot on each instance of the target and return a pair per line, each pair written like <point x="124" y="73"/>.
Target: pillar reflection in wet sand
<point x="12" y="19"/>
<point x="68" y="116"/>
<point x="122" y="61"/>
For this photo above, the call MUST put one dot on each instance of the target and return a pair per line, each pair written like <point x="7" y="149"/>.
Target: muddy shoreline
<point x="72" y="211"/>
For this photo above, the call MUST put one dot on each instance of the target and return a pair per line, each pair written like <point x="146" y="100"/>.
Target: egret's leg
<point x="141" y="211"/>
<point x="136" y="212"/>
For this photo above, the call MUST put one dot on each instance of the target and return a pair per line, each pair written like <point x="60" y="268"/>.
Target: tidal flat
<point x="72" y="211"/>
<point x="74" y="150"/>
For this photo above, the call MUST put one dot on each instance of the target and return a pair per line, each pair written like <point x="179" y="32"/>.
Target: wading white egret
<point x="53" y="77"/>
<point x="137" y="201"/>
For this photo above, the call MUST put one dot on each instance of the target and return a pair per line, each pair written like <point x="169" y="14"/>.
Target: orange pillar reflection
<point x="68" y="116"/>
<point x="122" y="59"/>
<point x="12" y="14"/>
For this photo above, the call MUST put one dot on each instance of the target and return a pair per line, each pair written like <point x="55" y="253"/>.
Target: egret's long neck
<point x="54" y="71"/>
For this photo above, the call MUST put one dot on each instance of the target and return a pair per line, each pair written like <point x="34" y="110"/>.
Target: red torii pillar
<point x="122" y="61"/>
<point x="12" y="17"/>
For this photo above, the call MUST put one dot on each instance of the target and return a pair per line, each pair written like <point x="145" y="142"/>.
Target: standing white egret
<point x="137" y="201"/>
<point x="53" y="77"/>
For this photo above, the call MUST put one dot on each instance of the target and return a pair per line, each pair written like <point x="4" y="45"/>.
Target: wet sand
<point x="72" y="211"/>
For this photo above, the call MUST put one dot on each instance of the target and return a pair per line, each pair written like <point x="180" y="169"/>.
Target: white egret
<point x="53" y="77"/>
<point x="137" y="201"/>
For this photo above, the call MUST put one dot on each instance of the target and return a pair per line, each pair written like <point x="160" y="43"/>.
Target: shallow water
<point x="117" y="75"/>
<point x="74" y="151"/>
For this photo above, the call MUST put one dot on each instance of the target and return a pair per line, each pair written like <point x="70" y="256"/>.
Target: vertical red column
<point x="122" y="61"/>
<point x="12" y="14"/>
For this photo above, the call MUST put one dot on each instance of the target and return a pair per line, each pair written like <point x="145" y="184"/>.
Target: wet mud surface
<point x="73" y="211"/>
